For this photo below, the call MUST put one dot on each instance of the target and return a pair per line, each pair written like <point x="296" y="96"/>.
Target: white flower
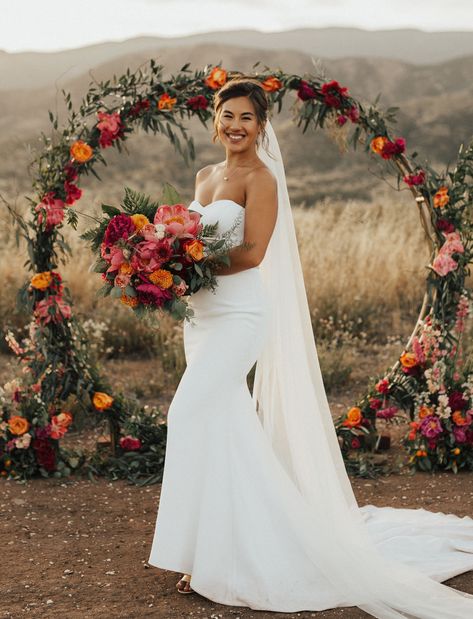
<point x="23" y="442"/>
<point x="160" y="230"/>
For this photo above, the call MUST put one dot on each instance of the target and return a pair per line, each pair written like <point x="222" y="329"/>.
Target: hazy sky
<point x="59" y="24"/>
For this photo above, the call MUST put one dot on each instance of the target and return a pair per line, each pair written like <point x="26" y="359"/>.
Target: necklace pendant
<point x="225" y="178"/>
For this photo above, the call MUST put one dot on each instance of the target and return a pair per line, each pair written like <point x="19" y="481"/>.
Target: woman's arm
<point x="260" y="218"/>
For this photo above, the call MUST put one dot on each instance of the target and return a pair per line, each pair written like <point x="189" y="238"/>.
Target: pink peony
<point x="430" y="426"/>
<point x="179" y="289"/>
<point x="444" y="264"/>
<point x="150" y="255"/>
<point x="130" y="443"/>
<point x="52" y="308"/>
<point x="110" y="127"/>
<point x="453" y="244"/>
<point x="116" y="258"/>
<point x="179" y="221"/>
<point x="119" y="227"/>
<point x="53" y="209"/>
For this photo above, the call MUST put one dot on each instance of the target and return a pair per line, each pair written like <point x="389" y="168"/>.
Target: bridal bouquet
<point x="152" y="256"/>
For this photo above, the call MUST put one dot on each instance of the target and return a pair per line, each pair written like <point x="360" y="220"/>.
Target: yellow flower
<point x="102" y="400"/>
<point x="166" y="102"/>
<point x="81" y="151"/>
<point x="139" y="221"/>
<point x="441" y="197"/>
<point x="377" y="144"/>
<point x="42" y="280"/>
<point x="127" y="300"/>
<point x="161" y="278"/>
<point x="456" y="451"/>
<point x="126" y="268"/>
<point x="18" y="425"/>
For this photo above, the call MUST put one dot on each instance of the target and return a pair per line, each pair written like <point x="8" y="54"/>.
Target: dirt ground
<point x="78" y="549"/>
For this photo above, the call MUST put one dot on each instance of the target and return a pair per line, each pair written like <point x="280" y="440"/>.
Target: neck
<point x="245" y="158"/>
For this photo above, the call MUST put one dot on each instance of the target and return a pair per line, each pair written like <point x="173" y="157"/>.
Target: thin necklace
<point x="225" y="178"/>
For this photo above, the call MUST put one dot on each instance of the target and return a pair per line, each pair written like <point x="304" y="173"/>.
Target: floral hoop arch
<point x="429" y="380"/>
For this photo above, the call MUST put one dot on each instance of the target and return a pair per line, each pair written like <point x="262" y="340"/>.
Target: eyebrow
<point x="243" y="113"/>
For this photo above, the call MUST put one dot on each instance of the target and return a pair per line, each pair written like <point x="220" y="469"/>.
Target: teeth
<point x="235" y="137"/>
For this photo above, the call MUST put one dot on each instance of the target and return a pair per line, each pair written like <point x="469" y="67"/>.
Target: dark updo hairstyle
<point x="240" y="85"/>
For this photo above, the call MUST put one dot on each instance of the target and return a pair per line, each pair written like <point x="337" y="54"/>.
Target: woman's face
<point x="237" y="126"/>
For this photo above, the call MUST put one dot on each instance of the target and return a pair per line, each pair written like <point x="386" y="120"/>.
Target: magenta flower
<point x="119" y="227"/>
<point x="460" y="434"/>
<point x="149" y="294"/>
<point x="305" y="91"/>
<point x="431" y="426"/>
<point x="130" y="443"/>
<point x="444" y="225"/>
<point x="415" y="179"/>
<point x="387" y="413"/>
<point x="73" y="192"/>
<point x="199" y="102"/>
<point x="456" y="401"/>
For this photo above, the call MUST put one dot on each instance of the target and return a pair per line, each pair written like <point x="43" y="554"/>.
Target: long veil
<point x="292" y="406"/>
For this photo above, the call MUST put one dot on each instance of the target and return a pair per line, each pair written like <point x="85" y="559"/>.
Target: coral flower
<point x="166" y="102"/>
<point x="217" y="78"/>
<point x="377" y="144"/>
<point x="194" y="249"/>
<point x="81" y="151"/>
<point x="179" y="221"/>
<point x="18" y="425"/>
<point x="42" y="280"/>
<point x="271" y="84"/>
<point x="354" y="417"/>
<point x="425" y="411"/>
<point x="461" y="420"/>
<point x="444" y="264"/>
<point x="52" y="308"/>
<point x="408" y="359"/>
<point x="102" y="400"/>
<point x="53" y="209"/>
<point x="161" y="278"/>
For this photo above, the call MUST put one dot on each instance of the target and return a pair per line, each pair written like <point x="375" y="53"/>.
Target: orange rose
<point x="441" y="198"/>
<point x="101" y="400"/>
<point x="354" y="417"/>
<point x="64" y="419"/>
<point x="81" y="151"/>
<point x="166" y="102"/>
<point x="459" y="419"/>
<point x="217" y="78"/>
<point x="456" y="451"/>
<point x="420" y="453"/>
<point x="408" y="359"/>
<point x="377" y="144"/>
<point x="42" y="280"/>
<point x="425" y="411"/>
<point x="18" y="425"/>
<point x="126" y="268"/>
<point x="161" y="278"/>
<point x="195" y="249"/>
<point x="127" y="300"/>
<point x="139" y="221"/>
<point x="271" y="84"/>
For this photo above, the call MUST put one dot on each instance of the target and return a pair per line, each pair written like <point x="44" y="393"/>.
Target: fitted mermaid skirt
<point x="229" y="514"/>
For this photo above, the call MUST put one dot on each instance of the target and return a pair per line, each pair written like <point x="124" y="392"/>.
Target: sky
<point x="50" y="25"/>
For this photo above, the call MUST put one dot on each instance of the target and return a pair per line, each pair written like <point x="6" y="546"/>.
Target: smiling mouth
<point x="235" y="137"/>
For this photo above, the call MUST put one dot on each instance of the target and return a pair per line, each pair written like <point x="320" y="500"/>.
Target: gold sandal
<point x="185" y="578"/>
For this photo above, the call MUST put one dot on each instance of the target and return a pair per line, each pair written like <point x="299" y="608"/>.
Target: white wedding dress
<point x="259" y="518"/>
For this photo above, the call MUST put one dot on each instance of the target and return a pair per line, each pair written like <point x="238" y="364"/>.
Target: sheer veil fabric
<point x="292" y="406"/>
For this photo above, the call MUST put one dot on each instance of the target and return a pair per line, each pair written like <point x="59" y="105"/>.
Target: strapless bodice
<point x="226" y="212"/>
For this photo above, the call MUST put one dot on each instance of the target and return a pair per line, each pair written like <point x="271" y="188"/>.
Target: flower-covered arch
<point x="428" y="379"/>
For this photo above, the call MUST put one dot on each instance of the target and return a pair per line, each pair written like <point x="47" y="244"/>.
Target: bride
<point x="256" y="508"/>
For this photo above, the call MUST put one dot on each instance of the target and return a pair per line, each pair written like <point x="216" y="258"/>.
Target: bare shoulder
<point x="263" y="182"/>
<point x="204" y="172"/>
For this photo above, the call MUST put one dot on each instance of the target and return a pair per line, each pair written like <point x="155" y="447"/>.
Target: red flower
<point x="393" y="148"/>
<point x="149" y="294"/>
<point x="354" y="114"/>
<point x="199" y="102"/>
<point x="119" y="227"/>
<point x="130" y="443"/>
<point x="110" y="127"/>
<point x="305" y="91"/>
<point x="45" y="455"/>
<point x="139" y="106"/>
<point x="333" y="93"/>
<point x="73" y="192"/>
<point x="415" y="179"/>
<point x="355" y="443"/>
<point x="71" y="171"/>
<point x="445" y="226"/>
<point x="341" y="120"/>
<point x="375" y="403"/>
<point x="456" y="401"/>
